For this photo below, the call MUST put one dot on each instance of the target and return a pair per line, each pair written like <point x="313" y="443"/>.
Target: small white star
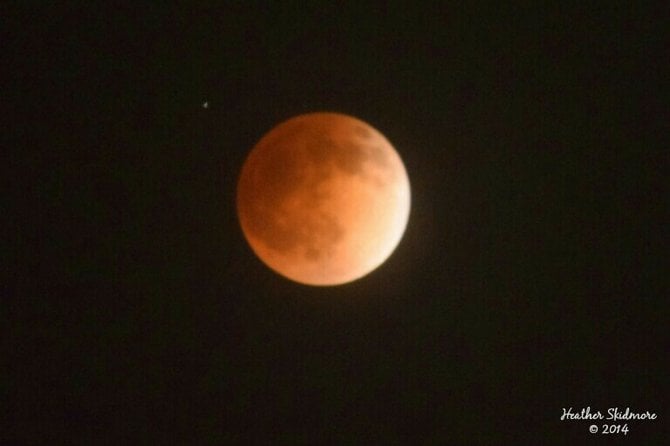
<point x="205" y="104"/>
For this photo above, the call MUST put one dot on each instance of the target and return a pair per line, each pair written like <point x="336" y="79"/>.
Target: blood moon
<point x="323" y="199"/>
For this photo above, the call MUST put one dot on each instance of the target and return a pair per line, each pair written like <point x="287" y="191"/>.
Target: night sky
<point x="529" y="279"/>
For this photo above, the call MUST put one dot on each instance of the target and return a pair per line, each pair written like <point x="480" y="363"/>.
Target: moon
<point x="323" y="199"/>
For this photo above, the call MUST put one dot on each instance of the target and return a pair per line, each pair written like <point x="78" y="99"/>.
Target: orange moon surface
<point x="323" y="199"/>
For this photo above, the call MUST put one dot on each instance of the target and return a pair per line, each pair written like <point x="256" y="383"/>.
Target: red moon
<point x="323" y="199"/>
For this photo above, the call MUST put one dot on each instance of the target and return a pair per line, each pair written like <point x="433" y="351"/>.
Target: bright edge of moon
<point x="323" y="199"/>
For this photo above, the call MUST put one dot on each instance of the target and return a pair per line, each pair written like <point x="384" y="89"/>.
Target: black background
<point x="530" y="277"/>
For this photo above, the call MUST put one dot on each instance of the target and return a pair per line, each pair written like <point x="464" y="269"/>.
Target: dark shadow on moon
<point x="281" y="199"/>
<point x="316" y="233"/>
<point x="362" y="131"/>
